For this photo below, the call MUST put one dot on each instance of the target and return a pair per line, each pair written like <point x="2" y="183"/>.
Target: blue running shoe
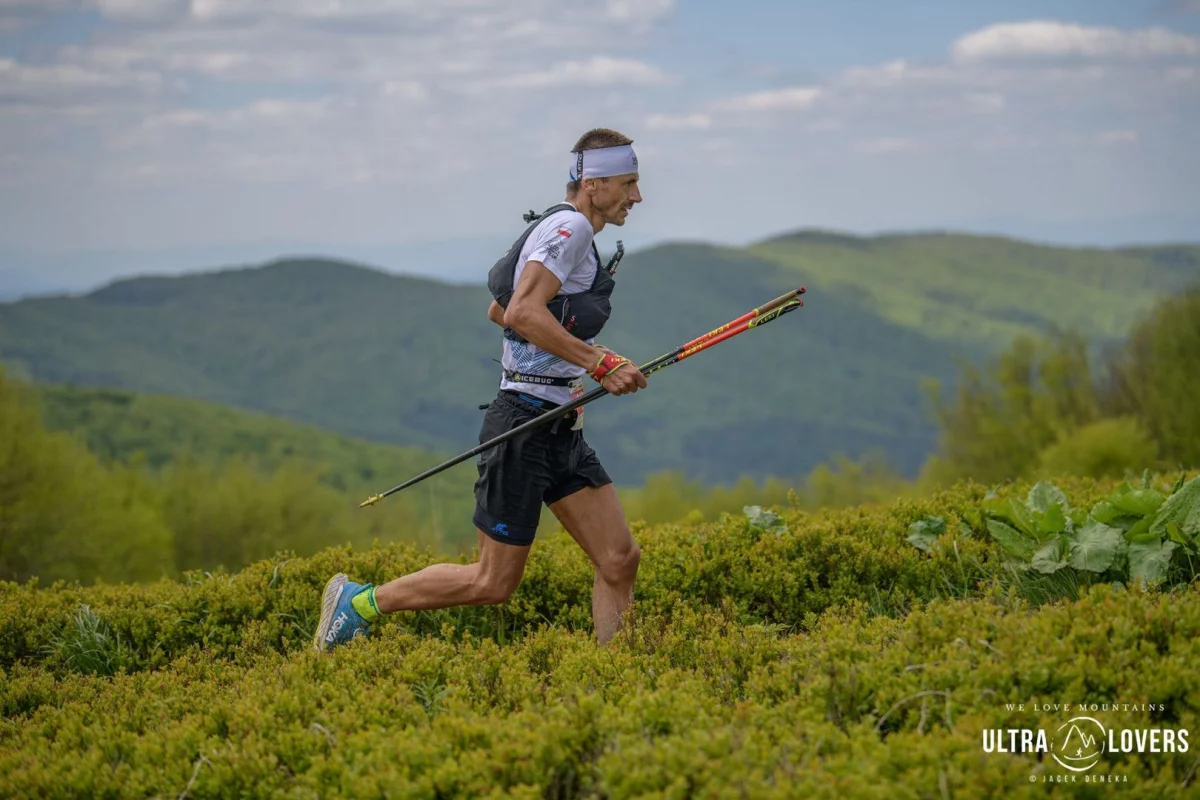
<point x="339" y="621"/>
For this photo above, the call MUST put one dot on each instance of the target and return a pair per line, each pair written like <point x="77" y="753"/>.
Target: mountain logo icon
<point x="1079" y="743"/>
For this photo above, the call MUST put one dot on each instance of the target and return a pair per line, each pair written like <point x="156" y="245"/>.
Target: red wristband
<point x="608" y="364"/>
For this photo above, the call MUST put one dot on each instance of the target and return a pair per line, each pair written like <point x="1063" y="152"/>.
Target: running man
<point x="551" y="297"/>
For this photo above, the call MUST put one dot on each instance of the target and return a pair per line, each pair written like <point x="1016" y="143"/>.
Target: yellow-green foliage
<point x="779" y="574"/>
<point x="671" y="497"/>
<point x="690" y="702"/>
<point x="65" y="516"/>
<point x="62" y="514"/>
<point x="163" y="431"/>
<point x="1001" y="419"/>
<point x="1157" y="376"/>
<point x="1041" y="407"/>
<point x="1106" y="449"/>
<point x="815" y="654"/>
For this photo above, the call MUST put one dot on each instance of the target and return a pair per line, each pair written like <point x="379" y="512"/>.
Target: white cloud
<point x="986" y="102"/>
<point x="892" y="73"/>
<point x="1117" y="137"/>
<point x="792" y="98"/>
<point x="886" y="144"/>
<point x="53" y="83"/>
<point x="597" y="71"/>
<point x="678" y="122"/>
<point x="142" y="10"/>
<point x="639" y="10"/>
<point x="1043" y="39"/>
<point x="17" y="14"/>
<point x="340" y="112"/>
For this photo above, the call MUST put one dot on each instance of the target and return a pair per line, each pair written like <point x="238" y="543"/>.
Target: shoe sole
<point x="329" y="602"/>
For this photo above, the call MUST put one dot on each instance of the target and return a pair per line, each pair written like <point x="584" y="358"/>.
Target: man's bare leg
<point x="594" y="518"/>
<point x="489" y="580"/>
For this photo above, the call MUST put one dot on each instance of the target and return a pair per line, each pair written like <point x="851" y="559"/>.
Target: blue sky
<point x="167" y="135"/>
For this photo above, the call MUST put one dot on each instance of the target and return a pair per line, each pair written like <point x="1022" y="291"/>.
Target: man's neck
<point x="593" y="217"/>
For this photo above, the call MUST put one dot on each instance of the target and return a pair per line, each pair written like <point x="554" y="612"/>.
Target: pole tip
<point x="370" y="501"/>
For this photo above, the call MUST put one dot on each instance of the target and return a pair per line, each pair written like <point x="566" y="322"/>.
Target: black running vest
<point x="583" y="314"/>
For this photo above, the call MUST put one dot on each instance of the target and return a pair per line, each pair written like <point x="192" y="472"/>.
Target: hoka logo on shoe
<point x="337" y="625"/>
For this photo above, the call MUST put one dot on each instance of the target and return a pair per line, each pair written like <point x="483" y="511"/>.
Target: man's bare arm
<point x="496" y="313"/>
<point x="527" y="315"/>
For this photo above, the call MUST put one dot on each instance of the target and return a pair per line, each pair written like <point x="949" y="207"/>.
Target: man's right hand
<point x="616" y="373"/>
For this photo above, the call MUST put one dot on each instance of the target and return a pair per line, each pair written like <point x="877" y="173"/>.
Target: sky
<point x="169" y="135"/>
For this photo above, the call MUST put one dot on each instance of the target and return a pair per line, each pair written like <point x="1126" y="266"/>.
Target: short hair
<point x="596" y="139"/>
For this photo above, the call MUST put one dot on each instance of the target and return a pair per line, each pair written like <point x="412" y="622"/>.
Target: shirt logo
<point x="564" y="233"/>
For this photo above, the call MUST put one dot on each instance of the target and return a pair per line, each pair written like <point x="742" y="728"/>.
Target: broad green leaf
<point x="1175" y="534"/>
<point x="1052" y="556"/>
<point x="925" y="532"/>
<point x="1095" y="546"/>
<point x="1138" y="502"/>
<point x="1010" y="539"/>
<point x="1012" y="511"/>
<point x="1044" y="495"/>
<point x="1182" y="508"/>
<point x="763" y="520"/>
<point x="1078" y="517"/>
<point x="1140" y="532"/>
<point x="1052" y="521"/>
<point x="1105" y="512"/>
<point x="1148" y="561"/>
<point x="1021" y="518"/>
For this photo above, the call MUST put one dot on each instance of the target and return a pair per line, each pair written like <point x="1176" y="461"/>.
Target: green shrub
<point x="1110" y="448"/>
<point x="777" y="574"/>
<point x="1156" y="376"/>
<point x="63" y="516"/>
<point x="688" y="702"/>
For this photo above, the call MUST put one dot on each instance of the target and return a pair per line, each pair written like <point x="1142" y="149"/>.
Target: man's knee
<point x="621" y="565"/>
<point x="494" y="589"/>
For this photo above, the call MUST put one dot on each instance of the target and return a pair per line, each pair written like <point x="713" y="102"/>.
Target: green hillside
<point x="118" y="426"/>
<point x="989" y="289"/>
<point x="407" y="361"/>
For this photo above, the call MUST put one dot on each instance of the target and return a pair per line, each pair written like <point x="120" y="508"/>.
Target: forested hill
<point x="407" y="360"/>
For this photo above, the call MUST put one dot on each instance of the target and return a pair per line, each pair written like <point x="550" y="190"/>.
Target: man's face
<point x="614" y="197"/>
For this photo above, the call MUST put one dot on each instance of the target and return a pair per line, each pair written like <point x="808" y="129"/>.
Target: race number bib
<point x="577" y="386"/>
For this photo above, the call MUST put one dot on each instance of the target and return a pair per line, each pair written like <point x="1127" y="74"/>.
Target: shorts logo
<point x="500" y="528"/>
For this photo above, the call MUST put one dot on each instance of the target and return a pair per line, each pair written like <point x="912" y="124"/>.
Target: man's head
<point x="604" y="175"/>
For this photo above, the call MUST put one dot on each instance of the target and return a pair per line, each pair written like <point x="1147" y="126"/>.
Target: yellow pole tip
<point x="370" y="501"/>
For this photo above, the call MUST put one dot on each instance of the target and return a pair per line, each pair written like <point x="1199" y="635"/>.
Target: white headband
<point x="603" y="162"/>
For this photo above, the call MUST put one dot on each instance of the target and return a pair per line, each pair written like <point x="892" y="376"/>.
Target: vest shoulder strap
<point x="500" y="276"/>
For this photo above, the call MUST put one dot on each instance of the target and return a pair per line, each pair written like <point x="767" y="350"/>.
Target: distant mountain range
<point x="407" y="360"/>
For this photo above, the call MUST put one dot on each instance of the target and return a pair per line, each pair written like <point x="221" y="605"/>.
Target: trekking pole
<point x="751" y="319"/>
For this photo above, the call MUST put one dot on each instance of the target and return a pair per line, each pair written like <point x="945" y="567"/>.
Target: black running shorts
<point x="539" y="466"/>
